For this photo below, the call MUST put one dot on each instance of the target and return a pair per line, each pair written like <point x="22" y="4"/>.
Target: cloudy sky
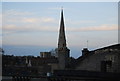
<point x="31" y="27"/>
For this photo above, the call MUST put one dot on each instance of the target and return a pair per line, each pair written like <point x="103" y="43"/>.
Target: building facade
<point x="105" y="59"/>
<point x="45" y="54"/>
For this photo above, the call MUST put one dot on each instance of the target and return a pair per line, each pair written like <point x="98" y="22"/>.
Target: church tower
<point x="63" y="51"/>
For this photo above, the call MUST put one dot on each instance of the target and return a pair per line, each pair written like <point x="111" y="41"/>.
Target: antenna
<point x="87" y="43"/>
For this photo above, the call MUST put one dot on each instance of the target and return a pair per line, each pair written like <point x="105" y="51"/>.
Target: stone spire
<point x="63" y="51"/>
<point x="62" y="39"/>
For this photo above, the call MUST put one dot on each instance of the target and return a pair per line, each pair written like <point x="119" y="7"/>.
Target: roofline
<point x="110" y="46"/>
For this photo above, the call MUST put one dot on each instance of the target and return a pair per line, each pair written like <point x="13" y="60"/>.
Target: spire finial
<point x="62" y="8"/>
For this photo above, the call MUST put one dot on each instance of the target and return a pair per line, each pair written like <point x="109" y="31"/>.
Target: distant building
<point x="45" y="54"/>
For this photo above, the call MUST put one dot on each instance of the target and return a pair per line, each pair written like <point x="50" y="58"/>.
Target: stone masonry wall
<point x="93" y="61"/>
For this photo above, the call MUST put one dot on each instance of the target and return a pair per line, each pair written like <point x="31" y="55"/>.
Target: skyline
<point x="95" y="22"/>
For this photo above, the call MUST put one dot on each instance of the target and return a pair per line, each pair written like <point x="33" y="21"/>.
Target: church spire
<point x="63" y="51"/>
<point x="62" y="39"/>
